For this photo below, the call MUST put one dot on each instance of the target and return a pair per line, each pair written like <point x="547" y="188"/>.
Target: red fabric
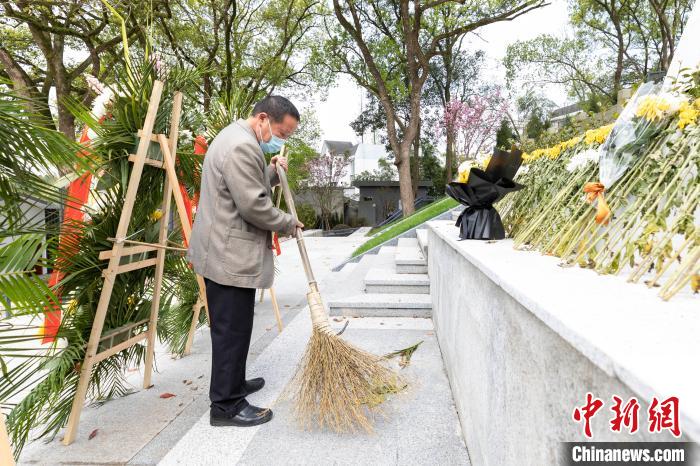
<point x="78" y="192"/>
<point x="276" y="243"/>
<point x="200" y="148"/>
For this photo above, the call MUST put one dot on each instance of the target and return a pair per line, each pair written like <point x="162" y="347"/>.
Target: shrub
<point x="306" y="215"/>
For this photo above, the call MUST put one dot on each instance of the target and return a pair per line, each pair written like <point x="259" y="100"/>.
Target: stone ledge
<point x="625" y="329"/>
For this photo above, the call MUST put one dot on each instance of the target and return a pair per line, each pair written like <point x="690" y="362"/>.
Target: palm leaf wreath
<point x="39" y="382"/>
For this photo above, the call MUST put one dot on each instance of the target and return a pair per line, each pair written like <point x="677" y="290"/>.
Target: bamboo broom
<point x="336" y="384"/>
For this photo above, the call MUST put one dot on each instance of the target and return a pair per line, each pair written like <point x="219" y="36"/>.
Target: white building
<point x="363" y="157"/>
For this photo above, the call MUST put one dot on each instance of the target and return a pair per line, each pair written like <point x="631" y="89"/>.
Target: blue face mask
<point x="274" y="144"/>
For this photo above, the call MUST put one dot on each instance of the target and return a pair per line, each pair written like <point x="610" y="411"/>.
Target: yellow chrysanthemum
<point x="597" y="135"/>
<point x="688" y="114"/>
<point x="155" y="215"/>
<point x="553" y="152"/>
<point x="652" y="107"/>
<point x="463" y="176"/>
<point x="571" y="143"/>
<point x="485" y="163"/>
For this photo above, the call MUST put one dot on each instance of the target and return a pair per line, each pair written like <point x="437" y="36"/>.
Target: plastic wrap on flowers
<point x="483" y="188"/>
<point x="630" y="132"/>
<point x="644" y="116"/>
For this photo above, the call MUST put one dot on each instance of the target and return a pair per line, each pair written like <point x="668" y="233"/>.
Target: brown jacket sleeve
<point x="243" y="174"/>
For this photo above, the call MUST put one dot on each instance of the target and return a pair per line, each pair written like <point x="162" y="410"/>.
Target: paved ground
<point x="142" y="427"/>
<point x="418" y="426"/>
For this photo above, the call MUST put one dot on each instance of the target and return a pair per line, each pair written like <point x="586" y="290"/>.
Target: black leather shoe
<point x="247" y="417"/>
<point x="253" y="385"/>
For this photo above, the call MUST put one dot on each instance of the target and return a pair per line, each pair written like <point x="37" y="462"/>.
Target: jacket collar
<point x="244" y="123"/>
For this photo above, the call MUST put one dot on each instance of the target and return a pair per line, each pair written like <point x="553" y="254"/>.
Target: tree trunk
<point x="206" y="90"/>
<point x="449" y="155"/>
<point x="415" y="164"/>
<point x="405" y="186"/>
<point x="620" y="62"/>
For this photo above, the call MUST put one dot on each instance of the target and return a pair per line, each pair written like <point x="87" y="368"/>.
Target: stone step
<point x="410" y="259"/>
<point x="385" y="280"/>
<point x="382" y="305"/>
<point x="422" y="237"/>
<point x="407" y="243"/>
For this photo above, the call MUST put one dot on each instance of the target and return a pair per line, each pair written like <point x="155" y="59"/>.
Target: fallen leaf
<point x="92" y="434"/>
<point x="181" y="404"/>
<point x="200" y="376"/>
<point x="150" y="386"/>
<point x="337" y="319"/>
<point x="166" y="395"/>
<point x="286" y="305"/>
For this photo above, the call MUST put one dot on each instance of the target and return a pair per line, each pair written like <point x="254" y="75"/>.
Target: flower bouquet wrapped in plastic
<point x="645" y="115"/>
<point x="478" y="189"/>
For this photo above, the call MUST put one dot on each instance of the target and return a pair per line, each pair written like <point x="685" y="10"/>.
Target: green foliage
<point x="505" y="136"/>
<point x="537" y="124"/>
<point x="392" y="230"/>
<point x="50" y="376"/>
<point x="42" y="149"/>
<point x="307" y="215"/>
<point x="431" y="169"/>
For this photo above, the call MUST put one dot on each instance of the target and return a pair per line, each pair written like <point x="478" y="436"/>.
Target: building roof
<point x="359" y="184"/>
<point x="563" y="111"/>
<point x="339" y="147"/>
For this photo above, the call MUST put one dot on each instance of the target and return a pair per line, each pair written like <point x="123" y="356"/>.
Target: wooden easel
<point x="125" y="335"/>
<point x="5" y="450"/>
<point x="273" y="297"/>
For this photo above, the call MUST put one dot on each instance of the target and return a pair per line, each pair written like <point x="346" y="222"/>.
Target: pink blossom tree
<point x="474" y="121"/>
<point x="325" y="174"/>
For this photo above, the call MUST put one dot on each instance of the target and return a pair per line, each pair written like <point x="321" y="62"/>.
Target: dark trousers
<point x="231" y="314"/>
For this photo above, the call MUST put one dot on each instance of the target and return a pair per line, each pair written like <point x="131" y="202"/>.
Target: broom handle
<point x="298" y="233"/>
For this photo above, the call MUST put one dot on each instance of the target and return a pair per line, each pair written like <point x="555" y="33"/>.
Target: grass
<point x="400" y="226"/>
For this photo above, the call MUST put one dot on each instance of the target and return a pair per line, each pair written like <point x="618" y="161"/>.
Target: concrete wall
<point x="514" y="379"/>
<point x="377" y="202"/>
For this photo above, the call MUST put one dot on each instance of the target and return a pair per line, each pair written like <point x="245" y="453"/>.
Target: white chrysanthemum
<point x="465" y="166"/>
<point x="674" y="101"/>
<point x="581" y="159"/>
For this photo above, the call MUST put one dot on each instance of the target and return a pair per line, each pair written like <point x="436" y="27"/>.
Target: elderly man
<point x="231" y="247"/>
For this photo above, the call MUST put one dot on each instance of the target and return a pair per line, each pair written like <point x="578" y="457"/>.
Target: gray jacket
<point x="230" y="242"/>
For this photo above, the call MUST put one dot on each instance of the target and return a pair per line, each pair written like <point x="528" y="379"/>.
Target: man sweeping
<point x="231" y="246"/>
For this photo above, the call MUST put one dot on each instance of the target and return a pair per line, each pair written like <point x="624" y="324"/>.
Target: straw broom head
<point x="338" y="385"/>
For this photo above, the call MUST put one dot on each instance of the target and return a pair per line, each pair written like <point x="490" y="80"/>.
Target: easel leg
<point x="5" y="450"/>
<point x="196" y="309"/>
<point x="262" y="294"/>
<point x="163" y="240"/>
<point x="86" y="367"/>
<point x="185" y="224"/>
<point x="276" y="309"/>
<point x="111" y="272"/>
